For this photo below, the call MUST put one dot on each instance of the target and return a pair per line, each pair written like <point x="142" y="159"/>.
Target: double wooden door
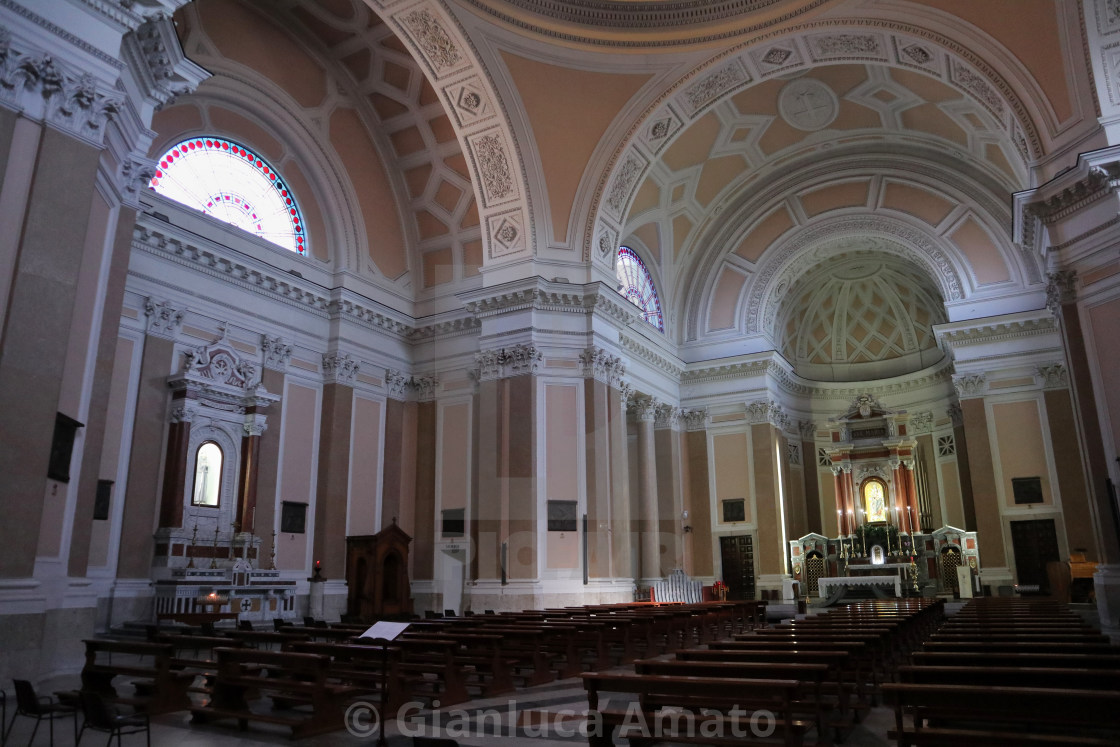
<point x="737" y="553"/>
<point x="1035" y="544"/>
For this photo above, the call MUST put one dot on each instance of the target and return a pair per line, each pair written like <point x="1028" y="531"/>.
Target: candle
<point x="839" y="521"/>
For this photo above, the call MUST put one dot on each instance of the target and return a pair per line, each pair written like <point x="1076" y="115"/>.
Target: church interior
<point x="357" y="310"/>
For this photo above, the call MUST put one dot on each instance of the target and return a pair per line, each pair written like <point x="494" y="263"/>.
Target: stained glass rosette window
<point x="232" y="183"/>
<point x="635" y="283"/>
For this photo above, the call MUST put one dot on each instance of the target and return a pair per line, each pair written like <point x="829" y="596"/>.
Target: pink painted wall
<point x="297" y="480"/>
<point x="365" y="472"/>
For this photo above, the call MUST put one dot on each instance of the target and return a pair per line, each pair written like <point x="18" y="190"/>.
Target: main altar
<point x="882" y="540"/>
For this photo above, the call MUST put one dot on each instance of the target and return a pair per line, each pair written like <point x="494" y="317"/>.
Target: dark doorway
<point x="738" y="565"/>
<point x="1035" y="544"/>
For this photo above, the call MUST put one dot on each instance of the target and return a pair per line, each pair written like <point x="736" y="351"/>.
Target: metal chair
<point x="101" y="716"/>
<point x="39" y="707"/>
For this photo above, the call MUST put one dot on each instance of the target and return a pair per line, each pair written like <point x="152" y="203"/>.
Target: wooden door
<point x="738" y="565"/>
<point x="1035" y="544"/>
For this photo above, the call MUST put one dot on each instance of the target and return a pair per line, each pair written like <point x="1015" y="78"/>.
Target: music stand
<point x="382" y="634"/>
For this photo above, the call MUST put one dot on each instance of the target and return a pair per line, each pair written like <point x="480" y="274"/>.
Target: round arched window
<point x="635" y="282"/>
<point x="234" y="184"/>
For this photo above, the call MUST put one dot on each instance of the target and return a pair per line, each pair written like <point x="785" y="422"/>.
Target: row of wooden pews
<point x="813" y="677"/>
<point x="1009" y="672"/>
<point x="304" y="677"/>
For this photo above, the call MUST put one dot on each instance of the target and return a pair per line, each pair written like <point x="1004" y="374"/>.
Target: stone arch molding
<point x="781" y="53"/>
<point x="795" y="256"/>
<point x="455" y="71"/>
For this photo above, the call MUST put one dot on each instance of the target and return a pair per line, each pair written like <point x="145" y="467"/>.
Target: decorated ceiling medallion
<point x="234" y="184"/>
<point x="808" y="104"/>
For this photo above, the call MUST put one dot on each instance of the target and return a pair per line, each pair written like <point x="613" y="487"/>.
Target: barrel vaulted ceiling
<point x="739" y="147"/>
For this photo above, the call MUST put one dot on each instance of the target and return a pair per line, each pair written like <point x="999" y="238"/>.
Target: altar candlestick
<point x="910" y="519"/>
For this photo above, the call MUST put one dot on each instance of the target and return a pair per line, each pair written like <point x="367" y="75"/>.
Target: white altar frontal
<point x="837" y="585"/>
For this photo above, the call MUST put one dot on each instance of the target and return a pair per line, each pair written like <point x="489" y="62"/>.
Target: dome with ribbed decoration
<point x="861" y="315"/>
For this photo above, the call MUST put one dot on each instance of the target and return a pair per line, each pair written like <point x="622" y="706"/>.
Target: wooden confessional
<point x="377" y="575"/>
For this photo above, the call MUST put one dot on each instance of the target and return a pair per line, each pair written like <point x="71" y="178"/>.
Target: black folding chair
<point x="101" y="716"/>
<point x="39" y="707"/>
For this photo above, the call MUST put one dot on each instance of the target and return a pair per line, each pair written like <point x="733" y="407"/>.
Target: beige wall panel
<point x="951" y="487"/>
<point x="725" y="299"/>
<point x="732" y="476"/>
<point x="826" y="483"/>
<point x="297" y="480"/>
<point x="1022" y="453"/>
<point x="365" y="459"/>
<point x="561" y="467"/>
<point x="1106" y="316"/>
<point x="454" y="465"/>
<point x="111" y="452"/>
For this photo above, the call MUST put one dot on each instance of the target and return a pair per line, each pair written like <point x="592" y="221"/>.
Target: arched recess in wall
<point x="945" y="218"/>
<point x="359" y="199"/>
<point x="893" y="45"/>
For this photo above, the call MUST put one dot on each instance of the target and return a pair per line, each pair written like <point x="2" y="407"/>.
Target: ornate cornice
<point x="635" y="347"/>
<point x="346" y="309"/>
<point x="340" y="368"/>
<point x="1012" y="329"/>
<point x="598" y="364"/>
<point x="42" y="88"/>
<point x="725" y="372"/>
<point x="594" y="297"/>
<point x="163" y="318"/>
<point x="1099" y="182"/>
<point x="219" y="377"/>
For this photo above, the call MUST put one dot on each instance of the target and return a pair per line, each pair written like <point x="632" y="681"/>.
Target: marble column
<point x="648" y="530"/>
<point x="667" y="450"/>
<point x="621" y="532"/>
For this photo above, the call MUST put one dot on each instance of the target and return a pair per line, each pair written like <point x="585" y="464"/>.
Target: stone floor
<point x="544" y="716"/>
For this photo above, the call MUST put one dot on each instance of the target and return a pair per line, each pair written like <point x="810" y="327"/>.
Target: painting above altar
<point x="874" y="501"/>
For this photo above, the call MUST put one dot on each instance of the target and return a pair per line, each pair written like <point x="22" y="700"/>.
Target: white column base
<point x="1106" y="586"/>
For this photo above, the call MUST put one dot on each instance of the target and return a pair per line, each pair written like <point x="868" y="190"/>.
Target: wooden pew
<point x="160" y="687"/>
<point x="656" y="692"/>
<point x="478" y="653"/>
<point x="1020" y="676"/>
<point x="305" y="696"/>
<point x="845" y="679"/>
<point x="816" y="705"/>
<point x="987" y="659"/>
<point x="997" y="716"/>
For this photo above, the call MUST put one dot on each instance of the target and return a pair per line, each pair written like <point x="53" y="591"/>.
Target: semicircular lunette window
<point x="635" y="282"/>
<point x="232" y="183"/>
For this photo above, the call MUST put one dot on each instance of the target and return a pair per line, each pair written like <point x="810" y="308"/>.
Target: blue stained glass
<point x="636" y="284"/>
<point x="234" y="184"/>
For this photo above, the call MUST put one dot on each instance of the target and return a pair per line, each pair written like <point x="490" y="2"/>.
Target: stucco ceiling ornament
<point x="808" y="104"/>
<point x="789" y="261"/>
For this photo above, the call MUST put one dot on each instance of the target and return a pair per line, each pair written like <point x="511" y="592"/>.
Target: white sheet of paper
<point x="386" y="630"/>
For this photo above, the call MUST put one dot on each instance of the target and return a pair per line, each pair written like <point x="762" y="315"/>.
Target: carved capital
<point x="425" y="387"/>
<point x="970" y="386"/>
<point x="183" y="411"/>
<point x="1054" y="376"/>
<point x="502" y="363"/>
<point x="163" y="318"/>
<point x="276" y="353"/>
<point x="921" y="422"/>
<point x="602" y="366"/>
<point x="396" y="383"/>
<point x="645" y="409"/>
<point x="695" y="420"/>
<point x="254" y="426"/>
<point x="667" y="416"/>
<point x="956" y="415"/>
<point x="807" y="429"/>
<point x="625" y="393"/>
<point x="340" y="368"/>
<point x="133" y="176"/>
<point x="1061" y="288"/>
<point x="765" y="411"/>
